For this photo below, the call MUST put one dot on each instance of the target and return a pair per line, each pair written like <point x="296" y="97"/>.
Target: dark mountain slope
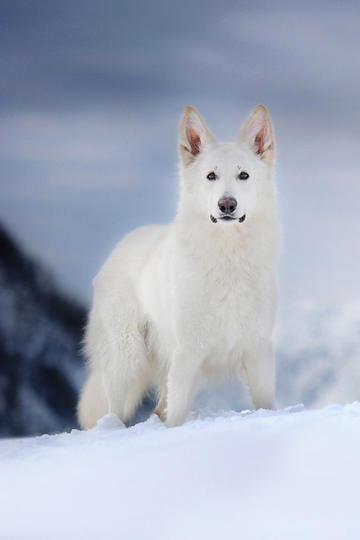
<point x="40" y="334"/>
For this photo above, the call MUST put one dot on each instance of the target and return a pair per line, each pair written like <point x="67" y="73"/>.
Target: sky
<point x="91" y="95"/>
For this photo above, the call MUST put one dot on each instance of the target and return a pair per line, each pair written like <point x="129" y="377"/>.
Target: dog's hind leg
<point x="126" y="373"/>
<point x="116" y="350"/>
<point x="92" y="403"/>
<point x="124" y="391"/>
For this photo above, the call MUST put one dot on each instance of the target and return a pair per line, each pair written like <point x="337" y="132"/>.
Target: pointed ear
<point x="257" y="132"/>
<point x="193" y="136"/>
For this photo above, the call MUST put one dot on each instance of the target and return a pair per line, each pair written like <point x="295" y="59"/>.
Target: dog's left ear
<point x="257" y="132"/>
<point x="193" y="137"/>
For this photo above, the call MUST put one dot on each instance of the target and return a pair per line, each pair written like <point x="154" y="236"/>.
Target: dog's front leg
<point x="259" y="367"/>
<point x="182" y="379"/>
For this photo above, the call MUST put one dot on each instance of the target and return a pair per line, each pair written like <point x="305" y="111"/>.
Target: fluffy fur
<point x="177" y="304"/>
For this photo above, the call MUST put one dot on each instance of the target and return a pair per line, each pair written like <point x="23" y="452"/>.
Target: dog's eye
<point x="211" y="176"/>
<point x="243" y="175"/>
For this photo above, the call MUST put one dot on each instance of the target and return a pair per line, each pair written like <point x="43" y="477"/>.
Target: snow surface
<point x="292" y="473"/>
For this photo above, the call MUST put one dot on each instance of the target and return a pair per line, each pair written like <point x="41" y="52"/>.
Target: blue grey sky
<point x="91" y="94"/>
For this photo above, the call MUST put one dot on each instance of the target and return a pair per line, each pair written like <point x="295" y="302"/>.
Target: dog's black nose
<point x="227" y="205"/>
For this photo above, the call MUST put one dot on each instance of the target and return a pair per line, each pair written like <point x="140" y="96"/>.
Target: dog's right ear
<point x="194" y="136"/>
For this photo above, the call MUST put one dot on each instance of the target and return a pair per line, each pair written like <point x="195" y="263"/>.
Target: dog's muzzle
<point x="227" y="218"/>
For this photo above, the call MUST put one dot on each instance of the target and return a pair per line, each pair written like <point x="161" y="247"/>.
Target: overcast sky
<point x="91" y="93"/>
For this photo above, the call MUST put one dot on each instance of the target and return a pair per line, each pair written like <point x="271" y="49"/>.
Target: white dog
<point x="177" y="304"/>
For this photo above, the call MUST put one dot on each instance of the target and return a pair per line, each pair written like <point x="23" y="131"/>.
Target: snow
<point x="292" y="473"/>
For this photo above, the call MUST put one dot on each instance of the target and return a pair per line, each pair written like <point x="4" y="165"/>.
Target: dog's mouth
<point x="227" y="218"/>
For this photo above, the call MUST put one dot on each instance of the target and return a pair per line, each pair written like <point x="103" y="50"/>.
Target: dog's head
<point x="235" y="179"/>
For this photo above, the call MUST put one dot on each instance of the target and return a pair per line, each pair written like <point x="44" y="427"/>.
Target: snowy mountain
<point x="267" y="475"/>
<point x="40" y="333"/>
<point x="318" y="353"/>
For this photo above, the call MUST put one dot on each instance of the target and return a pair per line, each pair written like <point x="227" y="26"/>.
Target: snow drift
<point x="291" y="473"/>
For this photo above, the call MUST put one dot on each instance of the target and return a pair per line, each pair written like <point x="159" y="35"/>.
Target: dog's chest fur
<point x="215" y="300"/>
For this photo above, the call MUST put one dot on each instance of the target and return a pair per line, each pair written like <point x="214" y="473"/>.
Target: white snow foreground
<point x="292" y="473"/>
